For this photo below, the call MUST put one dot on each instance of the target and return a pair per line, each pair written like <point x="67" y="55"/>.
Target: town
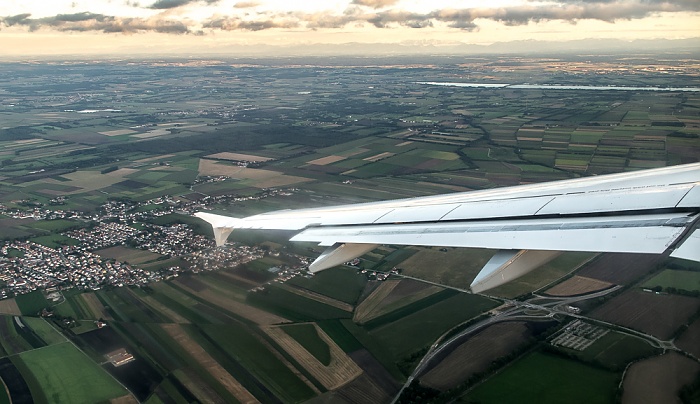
<point x="26" y="266"/>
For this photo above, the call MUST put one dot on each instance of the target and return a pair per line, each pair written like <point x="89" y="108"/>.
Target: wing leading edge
<point x="649" y="211"/>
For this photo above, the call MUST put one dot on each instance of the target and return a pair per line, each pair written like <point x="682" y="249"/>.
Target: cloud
<point x="235" y="23"/>
<point x="375" y="3"/>
<point x="168" y="4"/>
<point x="358" y="14"/>
<point x="83" y="22"/>
<point x="19" y="19"/>
<point x="246" y="4"/>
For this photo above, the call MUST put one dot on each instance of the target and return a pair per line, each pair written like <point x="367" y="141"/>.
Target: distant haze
<point x="274" y="27"/>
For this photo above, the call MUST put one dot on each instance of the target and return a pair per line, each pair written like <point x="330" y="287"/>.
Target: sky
<point x="34" y="27"/>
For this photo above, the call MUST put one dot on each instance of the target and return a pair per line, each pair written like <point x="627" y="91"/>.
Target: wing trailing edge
<point x="649" y="211"/>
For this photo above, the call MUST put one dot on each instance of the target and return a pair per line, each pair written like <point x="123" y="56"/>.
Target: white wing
<point x="647" y="211"/>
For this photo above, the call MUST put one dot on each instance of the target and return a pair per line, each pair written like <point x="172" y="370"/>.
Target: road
<point x="550" y="307"/>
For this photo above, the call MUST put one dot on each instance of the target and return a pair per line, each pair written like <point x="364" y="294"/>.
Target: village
<point x="26" y="266"/>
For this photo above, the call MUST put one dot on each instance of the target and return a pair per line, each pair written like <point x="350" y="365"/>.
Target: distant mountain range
<point x="583" y="46"/>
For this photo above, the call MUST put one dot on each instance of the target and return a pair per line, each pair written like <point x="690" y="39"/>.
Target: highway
<point x="550" y="307"/>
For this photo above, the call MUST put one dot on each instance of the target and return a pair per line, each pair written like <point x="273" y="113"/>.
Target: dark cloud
<point x="83" y="22"/>
<point x="19" y="19"/>
<point x="235" y="23"/>
<point x="403" y="18"/>
<point x="375" y="3"/>
<point x="166" y="4"/>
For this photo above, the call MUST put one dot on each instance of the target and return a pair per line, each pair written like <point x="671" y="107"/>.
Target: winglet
<point x="222" y="225"/>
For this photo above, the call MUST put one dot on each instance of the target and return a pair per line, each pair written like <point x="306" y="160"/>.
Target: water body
<point x="557" y="86"/>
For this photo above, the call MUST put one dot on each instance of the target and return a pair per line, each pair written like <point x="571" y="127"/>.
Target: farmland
<point x="676" y="279"/>
<point x="658" y="379"/>
<point x="658" y="315"/>
<point x="476" y="354"/>
<point x="577" y="285"/>
<point x="63" y="373"/>
<point x="238" y="137"/>
<point x="545" y="378"/>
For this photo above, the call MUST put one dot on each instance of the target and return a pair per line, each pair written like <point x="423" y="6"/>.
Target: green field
<point x="340" y="335"/>
<point x="64" y="374"/>
<point x="426" y="325"/>
<point x="307" y="336"/>
<point x="340" y="283"/>
<point x="54" y="240"/>
<point x="294" y="307"/>
<point x="615" y="350"/>
<point x="544" y="378"/>
<point x="678" y="279"/>
<point x="248" y="349"/>
<point x="12" y="340"/>
<point x="44" y="330"/>
<point x="32" y="303"/>
<point x="542" y="276"/>
<point x="57" y="226"/>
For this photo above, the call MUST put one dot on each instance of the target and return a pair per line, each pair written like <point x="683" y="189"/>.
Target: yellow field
<point x="327" y="160"/>
<point x="340" y="371"/>
<point x="147" y="159"/>
<point x="117" y="132"/>
<point x="87" y="181"/>
<point x="210" y="364"/>
<point x="9" y="306"/>
<point x="122" y="172"/>
<point x="364" y="310"/>
<point x="577" y="285"/>
<point x="237" y="157"/>
<point x="259" y="178"/>
<point x="379" y="156"/>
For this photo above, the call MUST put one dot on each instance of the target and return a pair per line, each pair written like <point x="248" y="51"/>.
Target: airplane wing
<point x="648" y="211"/>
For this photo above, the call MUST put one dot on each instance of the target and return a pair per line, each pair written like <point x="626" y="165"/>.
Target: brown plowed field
<point x="241" y="309"/>
<point x="658" y="380"/>
<point x="163" y="309"/>
<point x="658" y="315"/>
<point x="364" y="310"/>
<point x="389" y="298"/>
<point x="96" y="307"/>
<point x="375" y="371"/>
<point x="690" y="339"/>
<point x="578" y="285"/>
<point x="362" y="390"/>
<point x="9" y="306"/>
<point x="128" y="399"/>
<point x="318" y="297"/>
<point x="476" y="354"/>
<point x="341" y="369"/>
<point x="210" y="364"/>
<point x="454" y="267"/>
<point x="235" y="277"/>
<point x="202" y="391"/>
<point x="620" y="269"/>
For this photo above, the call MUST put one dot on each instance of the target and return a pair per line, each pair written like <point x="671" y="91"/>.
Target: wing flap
<point x="636" y="234"/>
